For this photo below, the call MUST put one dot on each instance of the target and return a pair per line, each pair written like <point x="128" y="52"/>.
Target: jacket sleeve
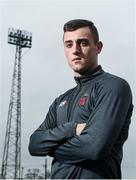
<point x="48" y="136"/>
<point x="112" y="110"/>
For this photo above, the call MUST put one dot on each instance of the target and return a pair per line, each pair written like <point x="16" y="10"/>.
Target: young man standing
<point x="86" y="127"/>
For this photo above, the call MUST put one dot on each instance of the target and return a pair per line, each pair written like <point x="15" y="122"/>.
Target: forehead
<point x="77" y="34"/>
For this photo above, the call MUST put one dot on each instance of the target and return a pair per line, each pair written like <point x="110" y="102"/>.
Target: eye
<point x="84" y="43"/>
<point x="69" y="44"/>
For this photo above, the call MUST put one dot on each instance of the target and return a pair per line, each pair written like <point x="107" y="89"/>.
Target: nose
<point x="75" y="49"/>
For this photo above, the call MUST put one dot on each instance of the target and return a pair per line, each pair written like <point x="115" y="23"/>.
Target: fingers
<point x="80" y="128"/>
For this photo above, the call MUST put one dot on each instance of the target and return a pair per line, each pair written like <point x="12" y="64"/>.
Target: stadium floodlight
<point x="20" y="38"/>
<point x="11" y="162"/>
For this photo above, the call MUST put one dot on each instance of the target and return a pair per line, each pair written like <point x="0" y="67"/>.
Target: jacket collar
<point x="82" y="80"/>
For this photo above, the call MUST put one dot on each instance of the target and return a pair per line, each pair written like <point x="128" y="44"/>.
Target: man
<point x="86" y="127"/>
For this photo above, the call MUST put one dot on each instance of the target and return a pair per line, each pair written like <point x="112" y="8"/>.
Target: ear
<point x="99" y="46"/>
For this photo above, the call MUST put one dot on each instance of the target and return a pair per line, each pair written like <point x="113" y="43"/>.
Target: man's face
<point x="81" y="51"/>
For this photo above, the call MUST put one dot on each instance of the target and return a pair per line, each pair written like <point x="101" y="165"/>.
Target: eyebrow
<point x="78" y="40"/>
<point x="68" y="41"/>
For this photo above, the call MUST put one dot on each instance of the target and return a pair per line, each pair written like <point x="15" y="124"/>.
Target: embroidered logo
<point x="63" y="103"/>
<point x="82" y="101"/>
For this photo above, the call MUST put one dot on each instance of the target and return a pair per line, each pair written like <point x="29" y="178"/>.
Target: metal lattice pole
<point x="11" y="163"/>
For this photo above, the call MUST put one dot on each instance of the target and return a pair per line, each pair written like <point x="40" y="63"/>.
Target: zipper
<point x="72" y="102"/>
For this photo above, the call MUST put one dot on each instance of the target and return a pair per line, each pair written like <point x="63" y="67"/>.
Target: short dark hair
<point x="75" y="24"/>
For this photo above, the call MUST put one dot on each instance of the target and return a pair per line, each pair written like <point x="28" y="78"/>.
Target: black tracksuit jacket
<point x="104" y="102"/>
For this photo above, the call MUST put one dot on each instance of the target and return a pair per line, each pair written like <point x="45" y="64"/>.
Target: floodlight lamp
<point x="19" y="37"/>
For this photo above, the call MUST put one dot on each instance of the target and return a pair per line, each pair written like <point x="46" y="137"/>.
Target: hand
<point x="80" y="128"/>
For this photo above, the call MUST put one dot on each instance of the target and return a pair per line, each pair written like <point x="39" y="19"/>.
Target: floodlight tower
<point x="11" y="163"/>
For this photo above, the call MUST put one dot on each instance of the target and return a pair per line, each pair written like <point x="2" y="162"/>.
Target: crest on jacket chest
<point x="83" y="100"/>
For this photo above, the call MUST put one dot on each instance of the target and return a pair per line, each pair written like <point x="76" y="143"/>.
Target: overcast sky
<point x="45" y="73"/>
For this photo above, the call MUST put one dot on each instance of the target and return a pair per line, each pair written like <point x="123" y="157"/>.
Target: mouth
<point x="77" y="59"/>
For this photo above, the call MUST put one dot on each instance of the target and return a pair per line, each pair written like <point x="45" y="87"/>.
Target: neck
<point x="86" y="72"/>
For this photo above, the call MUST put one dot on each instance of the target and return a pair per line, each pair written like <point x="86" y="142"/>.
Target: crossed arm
<point x="49" y="136"/>
<point x="73" y="143"/>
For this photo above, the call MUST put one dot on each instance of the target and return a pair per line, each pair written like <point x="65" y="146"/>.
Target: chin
<point x="78" y="68"/>
<point x="79" y="71"/>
